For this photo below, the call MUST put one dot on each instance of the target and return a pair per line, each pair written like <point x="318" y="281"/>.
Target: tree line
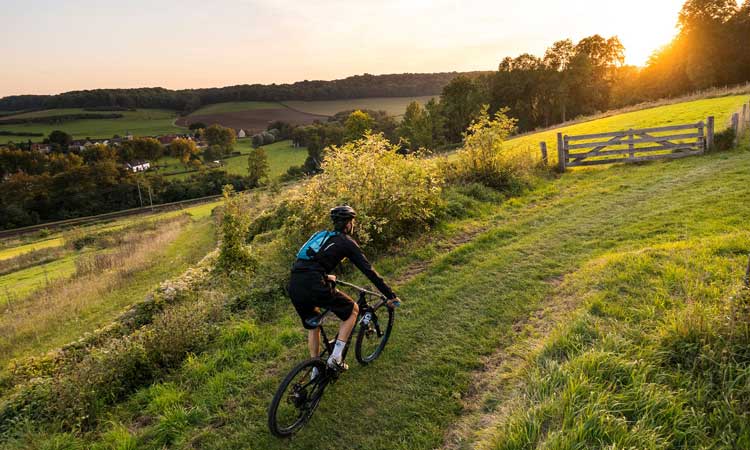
<point x="187" y="100"/>
<point x="587" y="77"/>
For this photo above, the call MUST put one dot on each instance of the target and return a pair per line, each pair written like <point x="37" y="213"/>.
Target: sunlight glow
<point x="190" y="44"/>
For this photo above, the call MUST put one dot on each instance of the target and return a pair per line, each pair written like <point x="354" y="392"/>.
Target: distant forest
<point x="187" y="100"/>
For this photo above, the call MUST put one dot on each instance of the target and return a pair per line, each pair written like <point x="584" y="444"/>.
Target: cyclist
<point x="311" y="284"/>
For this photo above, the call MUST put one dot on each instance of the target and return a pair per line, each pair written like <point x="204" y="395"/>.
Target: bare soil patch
<point x="254" y="120"/>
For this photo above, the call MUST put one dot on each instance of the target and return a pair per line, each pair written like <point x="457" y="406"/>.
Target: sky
<point x="49" y="46"/>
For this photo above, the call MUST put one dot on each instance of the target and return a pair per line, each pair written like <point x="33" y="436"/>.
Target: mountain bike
<point x="300" y="392"/>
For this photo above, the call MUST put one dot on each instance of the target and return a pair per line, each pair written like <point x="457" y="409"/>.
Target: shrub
<point x="235" y="253"/>
<point x="482" y="160"/>
<point x="394" y="195"/>
<point x="724" y="140"/>
<point x="268" y="138"/>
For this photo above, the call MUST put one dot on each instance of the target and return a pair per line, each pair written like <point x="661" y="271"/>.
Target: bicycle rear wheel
<point x="297" y="397"/>
<point x="373" y="336"/>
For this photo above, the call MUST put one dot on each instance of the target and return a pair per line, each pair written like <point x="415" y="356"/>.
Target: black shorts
<point x="310" y="291"/>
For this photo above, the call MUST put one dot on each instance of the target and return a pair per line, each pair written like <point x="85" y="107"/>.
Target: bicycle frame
<point x="364" y="307"/>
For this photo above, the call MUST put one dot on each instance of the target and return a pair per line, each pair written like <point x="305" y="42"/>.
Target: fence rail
<point x="634" y="145"/>
<point x="645" y="144"/>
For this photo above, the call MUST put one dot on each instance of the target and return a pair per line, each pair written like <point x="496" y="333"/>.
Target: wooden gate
<point x="676" y="141"/>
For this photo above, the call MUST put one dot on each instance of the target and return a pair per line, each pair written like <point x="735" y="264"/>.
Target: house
<point x="241" y="133"/>
<point x="41" y="148"/>
<point x="138" y="166"/>
<point x="77" y="146"/>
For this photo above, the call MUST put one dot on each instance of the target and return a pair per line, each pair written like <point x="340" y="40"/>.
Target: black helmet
<point x="342" y="213"/>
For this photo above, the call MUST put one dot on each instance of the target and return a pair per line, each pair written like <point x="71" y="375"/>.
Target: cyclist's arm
<point x="360" y="261"/>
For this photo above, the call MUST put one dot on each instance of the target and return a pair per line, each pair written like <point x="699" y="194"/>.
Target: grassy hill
<point x="143" y="122"/>
<point x="582" y="312"/>
<point x="694" y="111"/>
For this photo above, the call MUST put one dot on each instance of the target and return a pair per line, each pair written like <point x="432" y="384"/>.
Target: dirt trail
<point x="498" y="382"/>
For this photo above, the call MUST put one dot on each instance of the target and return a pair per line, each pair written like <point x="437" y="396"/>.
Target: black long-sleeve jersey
<point x="334" y="250"/>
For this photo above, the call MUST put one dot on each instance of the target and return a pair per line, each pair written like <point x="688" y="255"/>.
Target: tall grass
<point x="62" y="301"/>
<point x="658" y="357"/>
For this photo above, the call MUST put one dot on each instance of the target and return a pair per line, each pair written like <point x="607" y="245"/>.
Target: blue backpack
<point x="313" y="245"/>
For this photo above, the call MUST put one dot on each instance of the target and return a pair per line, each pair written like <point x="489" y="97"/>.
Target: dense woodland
<point x="358" y="86"/>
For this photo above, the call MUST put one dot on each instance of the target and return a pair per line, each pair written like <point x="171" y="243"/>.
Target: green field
<point x="143" y="122"/>
<point x="19" y="284"/>
<point x="218" y="108"/>
<point x="394" y="106"/>
<point x="281" y="156"/>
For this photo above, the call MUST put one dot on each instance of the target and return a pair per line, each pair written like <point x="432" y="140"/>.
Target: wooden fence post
<point x="631" y="145"/>
<point x="702" y="138"/>
<point x="736" y="127"/>
<point x="709" y="133"/>
<point x="543" y="147"/>
<point x="560" y="153"/>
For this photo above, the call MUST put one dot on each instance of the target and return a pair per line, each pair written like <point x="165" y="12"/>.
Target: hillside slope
<point x="482" y="295"/>
<point x="471" y="289"/>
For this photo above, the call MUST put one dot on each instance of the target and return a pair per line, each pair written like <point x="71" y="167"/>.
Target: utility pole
<point x="139" y="191"/>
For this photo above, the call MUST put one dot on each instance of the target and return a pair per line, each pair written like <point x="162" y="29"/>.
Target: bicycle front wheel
<point x="297" y="397"/>
<point x="373" y="336"/>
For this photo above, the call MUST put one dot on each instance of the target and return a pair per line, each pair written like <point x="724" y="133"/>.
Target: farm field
<point x="575" y="282"/>
<point x="695" y="111"/>
<point x="143" y="122"/>
<point x="228" y="107"/>
<point x="252" y="119"/>
<point x="394" y="106"/>
<point x="281" y="156"/>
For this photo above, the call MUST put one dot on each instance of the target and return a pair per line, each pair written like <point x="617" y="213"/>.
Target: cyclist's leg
<point x="313" y="342"/>
<point x="346" y="327"/>
<point x="345" y="309"/>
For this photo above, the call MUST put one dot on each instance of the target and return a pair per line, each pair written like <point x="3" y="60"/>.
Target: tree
<point x="221" y="137"/>
<point x="60" y="140"/>
<point x="699" y="13"/>
<point x="415" y="127"/>
<point x="98" y="152"/>
<point x="357" y="124"/>
<point x="141" y="148"/>
<point x="257" y="140"/>
<point x="436" y="120"/>
<point x="212" y="153"/>
<point x="462" y="100"/>
<point x="257" y="166"/>
<point x="197" y="126"/>
<point x="184" y="149"/>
